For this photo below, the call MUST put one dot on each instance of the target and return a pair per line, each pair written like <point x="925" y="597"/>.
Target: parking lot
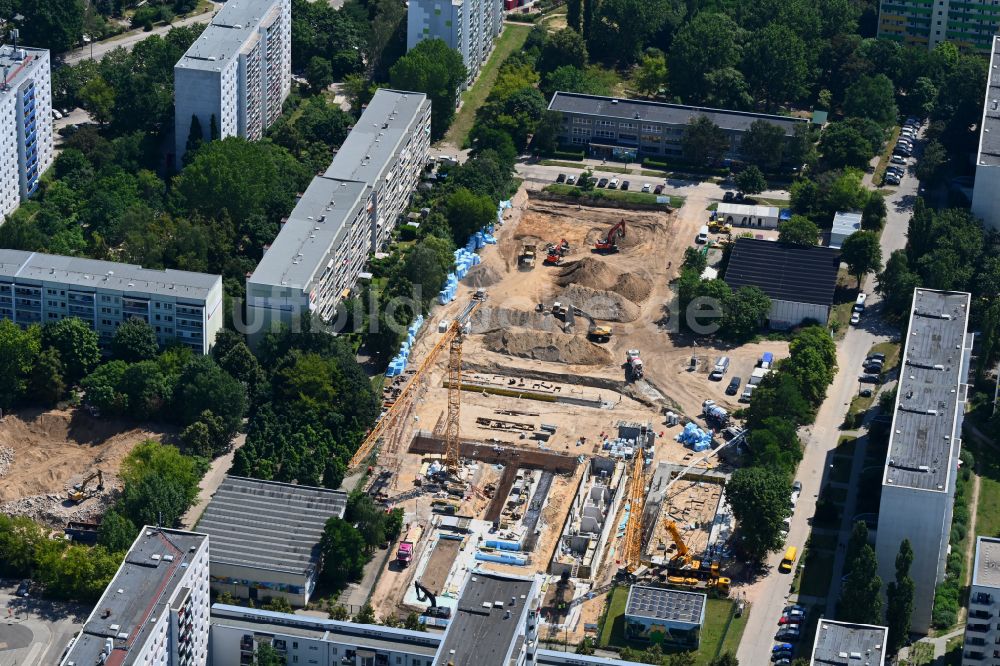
<point x="35" y="632"/>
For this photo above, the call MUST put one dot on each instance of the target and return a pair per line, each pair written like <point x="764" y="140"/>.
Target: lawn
<point x="988" y="509"/>
<point x="511" y="40"/>
<point x="611" y="195"/>
<point x="780" y="203"/>
<point x="840" y="318"/>
<point x="823" y="541"/>
<point x="891" y="351"/>
<point x="718" y="632"/>
<point x="816" y="570"/>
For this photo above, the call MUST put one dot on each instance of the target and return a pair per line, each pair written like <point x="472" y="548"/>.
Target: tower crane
<point x="632" y="542"/>
<point x="452" y="339"/>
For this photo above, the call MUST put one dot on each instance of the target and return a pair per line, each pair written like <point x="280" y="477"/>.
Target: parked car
<point x="855" y="318"/>
<point x="625" y="184"/>
<point x="897" y="159"/>
<point x="613" y="184"/>
<point x="561" y="178"/>
<point x="785" y="620"/>
<point x="783" y="662"/>
<point x="23" y="589"/>
<point x="877" y="356"/>
<point x="794" y="608"/>
<point x="646" y="187"/>
<point x="796" y="487"/>
<point x="658" y="189"/>
<point x="56" y="114"/>
<point x="603" y="182"/>
<point x="570" y="180"/>
<point x="869" y="379"/>
<point x="734" y="386"/>
<point x="728" y="196"/>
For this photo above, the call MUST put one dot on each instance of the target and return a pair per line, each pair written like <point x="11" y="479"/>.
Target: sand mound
<point x="492" y="319"/>
<point x="550" y="347"/>
<point x="587" y="272"/>
<point x="482" y="276"/>
<point x="635" y="288"/>
<point x="599" y="304"/>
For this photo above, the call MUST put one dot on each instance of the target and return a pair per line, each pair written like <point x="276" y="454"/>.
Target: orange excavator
<point x="557" y="252"/>
<point x="610" y="242"/>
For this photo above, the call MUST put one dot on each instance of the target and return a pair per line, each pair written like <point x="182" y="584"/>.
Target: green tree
<point x="751" y="180"/>
<point x="343" y="553"/>
<point x="744" y="313"/>
<point x="862" y="253"/>
<point x="930" y="167"/>
<point x="704" y="142"/>
<point x="775" y="64"/>
<point x="54" y="24"/>
<point x="694" y="260"/>
<point x="116" y="532"/>
<point x="134" y="341"/>
<point x="564" y="47"/>
<point x="799" y="230"/>
<point x="76" y="344"/>
<point x="899" y="593"/>
<point x="861" y="594"/>
<point x="875" y="212"/>
<point x="204" y="385"/>
<point x="467" y="213"/>
<point x="45" y="381"/>
<point x="413" y="623"/>
<point x="432" y="68"/>
<point x="725" y="659"/>
<point x="759" y="499"/>
<point x="18" y="350"/>
<point x="266" y="655"/>
<point x="651" y="74"/>
<point x="366" y="615"/>
<point x="692" y="64"/>
<point x="623" y="28"/>
<point x="764" y="145"/>
<point x="196" y="135"/>
<point x="574" y="14"/>
<point x="872" y="97"/>
<point x="101" y="388"/>
<point x="160" y="484"/>
<point x="844" y="146"/>
<point x="920" y="99"/>
<point x="319" y="73"/>
<point x="98" y="98"/>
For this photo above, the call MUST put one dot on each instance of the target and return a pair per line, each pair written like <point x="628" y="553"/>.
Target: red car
<point x="785" y="619"/>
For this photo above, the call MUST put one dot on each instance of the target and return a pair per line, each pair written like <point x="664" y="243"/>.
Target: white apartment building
<point x="345" y="214"/>
<point x="155" y="612"/>
<point x="918" y="486"/>
<point x="237" y="74"/>
<point x="36" y="288"/>
<point x="986" y="195"/>
<point x="982" y="630"/>
<point x="25" y="123"/>
<point x="468" y="26"/>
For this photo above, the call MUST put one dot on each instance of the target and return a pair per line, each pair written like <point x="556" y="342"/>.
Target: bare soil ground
<point x="442" y="557"/>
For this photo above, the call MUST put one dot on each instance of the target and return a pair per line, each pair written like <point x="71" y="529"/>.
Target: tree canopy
<point x="759" y="499"/>
<point x="431" y="67"/>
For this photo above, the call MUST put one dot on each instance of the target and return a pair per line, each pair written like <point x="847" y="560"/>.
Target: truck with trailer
<point x="404" y="554"/>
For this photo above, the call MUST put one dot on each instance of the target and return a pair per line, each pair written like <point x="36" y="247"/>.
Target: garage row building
<point x="343" y="216"/>
<point x="631" y="129"/>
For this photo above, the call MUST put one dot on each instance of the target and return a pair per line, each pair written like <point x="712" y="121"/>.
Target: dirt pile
<point x="491" y="319"/>
<point x="633" y="286"/>
<point x="57" y="510"/>
<point x="482" y="276"/>
<point x="587" y="272"/>
<point x="600" y="304"/>
<point x="550" y="347"/>
<point x="6" y="459"/>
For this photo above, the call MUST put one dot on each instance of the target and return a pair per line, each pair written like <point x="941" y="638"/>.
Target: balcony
<point x="978" y="628"/>
<point x="974" y="656"/>
<point x="982" y="598"/>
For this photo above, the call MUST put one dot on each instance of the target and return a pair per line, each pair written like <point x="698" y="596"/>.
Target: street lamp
<point x="88" y="40"/>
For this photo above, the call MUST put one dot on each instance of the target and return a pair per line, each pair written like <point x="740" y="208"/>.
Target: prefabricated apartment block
<point x="847" y="644"/>
<point x="344" y="215"/>
<point x="236" y="75"/>
<point x="986" y="193"/>
<point x="180" y="306"/>
<point x="970" y="24"/>
<point x="918" y="486"/>
<point x="25" y="123"/>
<point x="982" y="630"/>
<point x="468" y="26"/>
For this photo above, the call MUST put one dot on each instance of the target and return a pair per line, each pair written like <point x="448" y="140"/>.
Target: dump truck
<point x="633" y="364"/>
<point x="712" y="412"/>
<point x="526" y="261"/>
<point x="757" y="376"/>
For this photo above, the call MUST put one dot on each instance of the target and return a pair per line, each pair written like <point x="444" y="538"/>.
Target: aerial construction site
<point x="552" y="421"/>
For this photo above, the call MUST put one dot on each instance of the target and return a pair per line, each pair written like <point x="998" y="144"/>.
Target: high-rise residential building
<point x="918" y="485"/>
<point x="156" y="609"/>
<point x="986" y="195"/>
<point x="25" y="123"/>
<point x="982" y="629"/>
<point x="236" y="75"/>
<point x="468" y="26"/>
<point x="344" y="215"/>
<point x="970" y="24"/>
<point x="181" y="306"/>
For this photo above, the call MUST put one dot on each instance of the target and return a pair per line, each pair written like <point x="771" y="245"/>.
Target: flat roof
<point x="223" y="39"/>
<point x="138" y="592"/>
<point x="846" y="223"/>
<point x="744" y="209"/>
<point x="377" y="137"/>
<point x="930" y="396"/>
<point x="318" y="220"/>
<point x="18" y="65"/>
<point x="783" y="271"/>
<point x="989" y="129"/>
<point x="986" y="572"/>
<point x="845" y="644"/>
<point x="480" y="633"/>
<point x="269" y="525"/>
<point x="657" y="603"/>
<point x="375" y="637"/>
<point x="660" y="112"/>
<point x="92" y="274"/>
<point x="545" y="657"/>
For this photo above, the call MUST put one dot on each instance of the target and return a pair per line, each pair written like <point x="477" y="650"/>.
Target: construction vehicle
<point x="423" y="594"/>
<point x="610" y="242"/>
<point x="598" y="332"/>
<point x="633" y="364"/>
<point x="683" y="569"/>
<point x="555" y="253"/>
<point x="715" y="414"/>
<point x="452" y="339"/>
<point x="717" y="227"/>
<point x="526" y="261"/>
<point x="559" y="310"/>
<point x="80" y="492"/>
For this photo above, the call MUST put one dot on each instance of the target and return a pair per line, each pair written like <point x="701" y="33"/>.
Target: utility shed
<point x="844" y="224"/>
<point x="743" y="215"/>
<point x="799" y="280"/>
<point x="670" y="617"/>
<point x="265" y="537"/>
<point x="846" y="644"/>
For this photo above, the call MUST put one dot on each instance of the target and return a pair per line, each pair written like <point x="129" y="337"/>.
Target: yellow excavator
<point x="684" y="570"/>
<point x="79" y="492"/>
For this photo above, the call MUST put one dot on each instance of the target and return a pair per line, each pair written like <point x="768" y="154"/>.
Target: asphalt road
<point x="34" y="632"/>
<point x="128" y="40"/>
<point x="770" y="594"/>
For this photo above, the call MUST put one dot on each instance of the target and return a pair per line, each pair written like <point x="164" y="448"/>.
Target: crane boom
<point x="391" y="416"/>
<point x="632" y="548"/>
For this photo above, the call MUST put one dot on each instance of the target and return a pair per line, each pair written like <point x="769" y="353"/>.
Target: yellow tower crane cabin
<point x="452" y="339"/>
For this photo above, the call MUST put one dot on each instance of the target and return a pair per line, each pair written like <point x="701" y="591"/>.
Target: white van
<point x="702" y="235"/>
<point x="720" y="369"/>
<point x="859" y="304"/>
